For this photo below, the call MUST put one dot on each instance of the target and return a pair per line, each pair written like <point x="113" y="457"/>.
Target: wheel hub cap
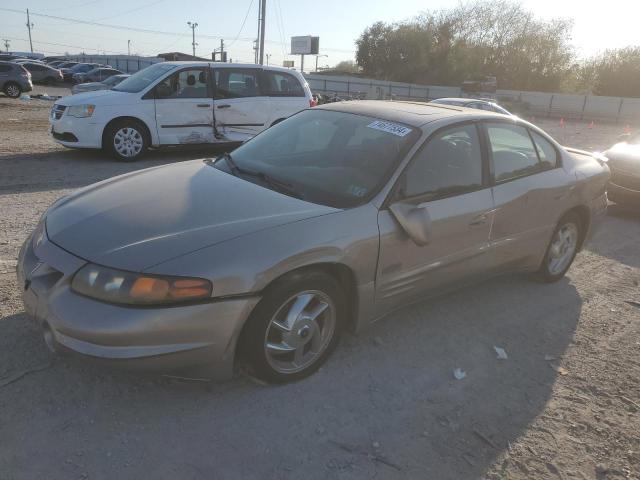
<point x="563" y="247"/>
<point x="300" y="331"/>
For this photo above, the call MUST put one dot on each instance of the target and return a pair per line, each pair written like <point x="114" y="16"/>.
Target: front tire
<point x="562" y="249"/>
<point x="12" y="90"/>
<point x="295" y="327"/>
<point x="127" y="140"/>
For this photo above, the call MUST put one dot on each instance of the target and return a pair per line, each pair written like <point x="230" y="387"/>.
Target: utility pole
<point x="29" y="27"/>
<point x="221" y="50"/>
<point x="268" y="55"/>
<point x="6" y="44"/>
<point x="263" y="7"/>
<point x="318" y="56"/>
<point x="255" y="51"/>
<point x="192" y="26"/>
<point x="129" y="48"/>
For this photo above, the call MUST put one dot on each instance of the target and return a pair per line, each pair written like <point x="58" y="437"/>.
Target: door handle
<point x="479" y="220"/>
<point x="224" y="106"/>
<point x="204" y="105"/>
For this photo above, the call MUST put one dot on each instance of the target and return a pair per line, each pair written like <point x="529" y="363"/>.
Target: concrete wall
<point x="585" y="107"/>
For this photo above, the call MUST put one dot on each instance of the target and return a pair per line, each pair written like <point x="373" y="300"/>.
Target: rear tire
<point x="295" y="327"/>
<point x="126" y="140"/>
<point x="562" y="248"/>
<point x="12" y="90"/>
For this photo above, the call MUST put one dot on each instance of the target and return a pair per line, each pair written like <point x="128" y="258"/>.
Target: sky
<point x="338" y="23"/>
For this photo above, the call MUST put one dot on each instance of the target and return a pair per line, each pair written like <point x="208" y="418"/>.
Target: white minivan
<point x="175" y="103"/>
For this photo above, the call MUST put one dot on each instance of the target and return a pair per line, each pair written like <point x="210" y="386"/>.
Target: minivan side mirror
<point x="414" y="220"/>
<point x="163" y="91"/>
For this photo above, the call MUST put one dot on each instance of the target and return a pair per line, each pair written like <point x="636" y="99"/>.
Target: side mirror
<point x="414" y="220"/>
<point x="163" y="91"/>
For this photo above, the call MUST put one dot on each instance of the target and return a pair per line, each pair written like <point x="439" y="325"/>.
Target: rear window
<point x="281" y="84"/>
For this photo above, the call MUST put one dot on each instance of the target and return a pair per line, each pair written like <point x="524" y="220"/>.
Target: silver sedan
<point x="326" y="221"/>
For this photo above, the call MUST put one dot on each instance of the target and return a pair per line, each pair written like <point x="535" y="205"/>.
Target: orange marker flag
<point x="591" y="125"/>
<point x="562" y="122"/>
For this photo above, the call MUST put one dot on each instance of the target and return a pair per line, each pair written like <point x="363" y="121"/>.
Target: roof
<point x="415" y="114"/>
<point x="463" y="100"/>
<point x="229" y="65"/>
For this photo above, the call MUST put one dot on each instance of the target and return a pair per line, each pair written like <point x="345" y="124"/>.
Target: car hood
<point x="625" y="156"/>
<point x="98" y="97"/>
<point x="140" y="219"/>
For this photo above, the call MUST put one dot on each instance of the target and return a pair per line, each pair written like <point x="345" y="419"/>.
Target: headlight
<point x="115" y="286"/>
<point x="81" y="111"/>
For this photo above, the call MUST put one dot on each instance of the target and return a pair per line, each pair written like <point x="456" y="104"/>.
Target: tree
<point x="347" y="66"/>
<point x="495" y="37"/>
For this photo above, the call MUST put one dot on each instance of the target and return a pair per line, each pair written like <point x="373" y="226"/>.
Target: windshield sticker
<point x="389" y="127"/>
<point x="356" y="191"/>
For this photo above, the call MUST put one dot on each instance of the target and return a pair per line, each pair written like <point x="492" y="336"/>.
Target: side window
<point x="281" y="84"/>
<point x="547" y="153"/>
<point x="190" y="83"/>
<point x="512" y="152"/>
<point x="236" y="83"/>
<point x="450" y="164"/>
<point x="5" y="68"/>
<point x="35" y="68"/>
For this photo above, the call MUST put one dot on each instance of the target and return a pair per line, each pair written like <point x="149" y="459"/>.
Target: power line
<point x="242" y="26"/>
<point x="146" y="30"/>
<point x="129" y="11"/>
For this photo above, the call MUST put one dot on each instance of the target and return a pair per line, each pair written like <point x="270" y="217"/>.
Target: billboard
<point x="306" y="45"/>
<point x="288" y="63"/>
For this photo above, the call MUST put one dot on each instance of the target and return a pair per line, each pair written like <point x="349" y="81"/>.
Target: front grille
<point x="57" y="111"/>
<point x="625" y="180"/>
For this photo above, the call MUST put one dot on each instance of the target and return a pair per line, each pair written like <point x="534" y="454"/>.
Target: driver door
<point x="184" y="107"/>
<point x="446" y="186"/>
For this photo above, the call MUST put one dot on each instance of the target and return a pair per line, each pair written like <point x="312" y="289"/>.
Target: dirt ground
<point x="564" y="405"/>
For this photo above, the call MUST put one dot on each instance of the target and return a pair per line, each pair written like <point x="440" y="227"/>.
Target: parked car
<point x="41" y="73"/>
<point x="624" y="162"/>
<point x="14" y="79"/>
<point x="77" y="68"/>
<point x="96" y="75"/>
<point x="172" y="103"/>
<point x="328" y="220"/>
<point x="56" y="63"/>
<point x="106" y="84"/>
<point x="8" y="57"/>
<point x="472" y="103"/>
<point x="481" y="83"/>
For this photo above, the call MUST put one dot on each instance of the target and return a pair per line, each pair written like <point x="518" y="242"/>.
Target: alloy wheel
<point x="563" y="248"/>
<point x="300" y="331"/>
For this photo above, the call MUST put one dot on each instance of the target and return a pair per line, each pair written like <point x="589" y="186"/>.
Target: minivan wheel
<point x="12" y="89"/>
<point x="127" y="140"/>
<point x="562" y="249"/>
<point x="294" y="328"/>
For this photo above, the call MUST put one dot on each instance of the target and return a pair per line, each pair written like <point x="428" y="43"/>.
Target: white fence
<point x="584" y="107"/>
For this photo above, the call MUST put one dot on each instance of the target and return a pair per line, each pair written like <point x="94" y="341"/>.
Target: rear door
<point x="241" y="109"/>
<point x="448" y="182"/>
<point x="529" y="193"/>
<point x="184" y="107"/>
<point x="285" y="92"/>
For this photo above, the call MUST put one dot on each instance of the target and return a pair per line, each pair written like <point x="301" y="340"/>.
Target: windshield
<point x="113" y="80"/>
<point x="331" y="158"/>
<point x="142" y="79"/>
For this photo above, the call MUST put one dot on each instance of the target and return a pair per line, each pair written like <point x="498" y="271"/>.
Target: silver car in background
<point x="624" y="162"/>
<point x="106" y="84"/>
<point x="326" y="221"/>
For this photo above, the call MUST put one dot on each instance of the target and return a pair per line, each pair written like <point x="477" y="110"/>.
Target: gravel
<point x="385" y="405"/>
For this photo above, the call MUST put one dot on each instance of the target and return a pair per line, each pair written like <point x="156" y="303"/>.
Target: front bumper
<point x="623" y="195"/>
<point x="157" y="339"/>
<point x="76" y="132"/>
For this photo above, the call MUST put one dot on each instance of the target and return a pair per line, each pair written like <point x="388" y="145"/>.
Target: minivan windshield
<point x="327" y="157"/>
<point x="145" y="77"/>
